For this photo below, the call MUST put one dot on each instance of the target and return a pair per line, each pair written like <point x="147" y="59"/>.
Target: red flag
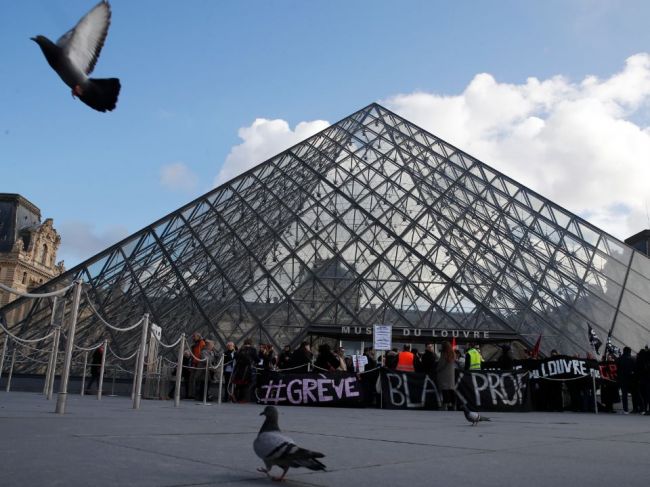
<point x="453" y="343"/>
<point x="535" y="351"/>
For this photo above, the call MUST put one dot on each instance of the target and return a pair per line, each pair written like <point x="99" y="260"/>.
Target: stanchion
<point x="83" y="375"/>
<point x="112" y="394"/>
<point x="593" y="383"/>
<point x="65" y="376"/>
<point x="140" y="370"/>
<point x="205" y="381"/>
<point x="223" y="360"/>
<point x="4" y="352"/>
<point x="179" y="372"/>
<point x="46" y="385"/>
<point x="135" y="374"/>
<point x="55" y="359"/>
<point x="11" y="370"/>
<point x="101" y="371"/>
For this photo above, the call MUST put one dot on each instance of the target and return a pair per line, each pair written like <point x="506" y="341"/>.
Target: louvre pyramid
<point x="372" y="220"/>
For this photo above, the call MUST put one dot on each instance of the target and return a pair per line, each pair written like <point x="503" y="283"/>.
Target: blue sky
<point x="194" y="73"/>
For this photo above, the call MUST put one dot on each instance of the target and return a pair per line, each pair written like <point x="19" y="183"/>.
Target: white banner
<point x="383" y="337"/>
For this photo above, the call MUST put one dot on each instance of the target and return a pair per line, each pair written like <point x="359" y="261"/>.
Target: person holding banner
<point x="405" y="360"/>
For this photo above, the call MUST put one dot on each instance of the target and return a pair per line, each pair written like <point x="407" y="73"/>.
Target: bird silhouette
<point x="75" y="54"/>
<point x="472" y="416"/>
<point x="274" y="448"/>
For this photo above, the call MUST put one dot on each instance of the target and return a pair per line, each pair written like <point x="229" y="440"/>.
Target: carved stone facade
<point x="27" y="246"/>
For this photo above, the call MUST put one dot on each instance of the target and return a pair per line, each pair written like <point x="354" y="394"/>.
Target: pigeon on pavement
<point x="274" y="448"/>
<point x="74" y="55"/>
<point x="472" y="416"/>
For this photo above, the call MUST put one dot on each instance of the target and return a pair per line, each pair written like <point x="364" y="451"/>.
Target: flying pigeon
<point x="74" y="55"/>
<point x="472" y="416"/>
<point x="276" y="449"/>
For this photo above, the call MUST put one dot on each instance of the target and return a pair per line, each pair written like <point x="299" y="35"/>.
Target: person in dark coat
<point x="625" y="375"/>
<point x="228" y="368"/>
<point x="95" y="367"/>
<point x="642" y="376"/>
<point x="369" y="353"/>
<point x="284" y="360"/>
<point x="505" y="360"/>
<point x="429" y="361"/>
<point x="301" y="358"/>
<point x="326" y="359"/>
<point x="242" y="377"/>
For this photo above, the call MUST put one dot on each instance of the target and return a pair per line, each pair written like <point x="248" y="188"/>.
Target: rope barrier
<point x="47" y="350"/>
<point x="33" y="295"/>
<point x="168" y="346"/>
<point x="189" y="349"/>
<point x="83" y="349"/>
<point x="122" y="358"/>
<point x="128" y="328"/>
<point x="24" y="340"/>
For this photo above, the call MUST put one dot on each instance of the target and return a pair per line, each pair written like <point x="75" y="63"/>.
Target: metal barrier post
<point x="46" y="385"/>
<point x="112" y="394"/>
<point x="55" y="359"/>
<point x="140" y="369"/>
<point x="223" y="360"/>
<point x="65" y="376"/>
<point x="11" y="370"/>
<point x="205" y="381"/>
<point x="101" y="371"/>
<point x="4" y="352"/>
<point x="179" y="372"/>
<point x="135" y="373"/>
<point x="83" y="375"/>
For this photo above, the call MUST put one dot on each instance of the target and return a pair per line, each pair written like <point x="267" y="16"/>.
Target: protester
<point x="405" y="360"/>
<point x="505" y="361"/>
<point x="391" y="359"/>
<point x="284" y="360"/>
<point x="369" y="353"/>
<point x="326" y="359"/>
<point x="473" y="358"/>
<point x="243" y="374"/>
<point x="301" y="358"/>
<point x="429" y="360"/>
<point x="95" y="367"/>
<point x="445" y="376"/>
<point x="228" y="367"/>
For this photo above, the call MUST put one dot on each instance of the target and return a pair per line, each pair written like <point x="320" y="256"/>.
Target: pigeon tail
<point x="100" y="94"/>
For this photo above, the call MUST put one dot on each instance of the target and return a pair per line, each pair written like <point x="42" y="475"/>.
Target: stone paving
<point x="107" y="443"/>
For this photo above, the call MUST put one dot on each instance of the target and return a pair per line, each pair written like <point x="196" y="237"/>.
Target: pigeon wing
<point x="270" y="445"/>
<point x="83" y="43"/>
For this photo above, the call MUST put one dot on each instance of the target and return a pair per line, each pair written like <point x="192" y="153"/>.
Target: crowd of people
<point x="246" y="366"/>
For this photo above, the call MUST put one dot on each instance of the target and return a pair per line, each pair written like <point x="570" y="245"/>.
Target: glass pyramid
<point x="372" y="220"/>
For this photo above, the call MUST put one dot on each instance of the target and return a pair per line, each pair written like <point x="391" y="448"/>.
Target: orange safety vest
<point x="405" y="362"/>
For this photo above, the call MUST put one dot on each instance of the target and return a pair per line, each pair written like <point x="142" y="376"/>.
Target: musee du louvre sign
<point x="405" y="334"/>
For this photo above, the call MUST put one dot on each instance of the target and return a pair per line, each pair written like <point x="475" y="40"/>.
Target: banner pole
<point x="102" y="369"/>
<point x="112" y="394"/>
<point x="593" y="383"/>
<point x="69" y="346"/>
<point x="179" y="372"/>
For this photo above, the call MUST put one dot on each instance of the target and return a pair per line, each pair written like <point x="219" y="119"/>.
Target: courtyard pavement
<point x="107" y="443"/>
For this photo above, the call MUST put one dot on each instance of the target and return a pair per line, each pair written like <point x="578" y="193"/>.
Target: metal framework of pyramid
<point x="372" y="220"/>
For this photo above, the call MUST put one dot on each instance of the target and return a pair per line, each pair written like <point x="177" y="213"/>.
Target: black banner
<point x="562" y="367"/>
<point x="493" y="390"/>
<point x="322" y="389"/>
<point x="408" y="390"/>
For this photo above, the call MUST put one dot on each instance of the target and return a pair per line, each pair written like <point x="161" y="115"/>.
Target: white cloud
<point x="178" y="177"/>
<point x="81" y="240"/>
<point x="578" y="144"/>
<point x="264" y="139"/>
